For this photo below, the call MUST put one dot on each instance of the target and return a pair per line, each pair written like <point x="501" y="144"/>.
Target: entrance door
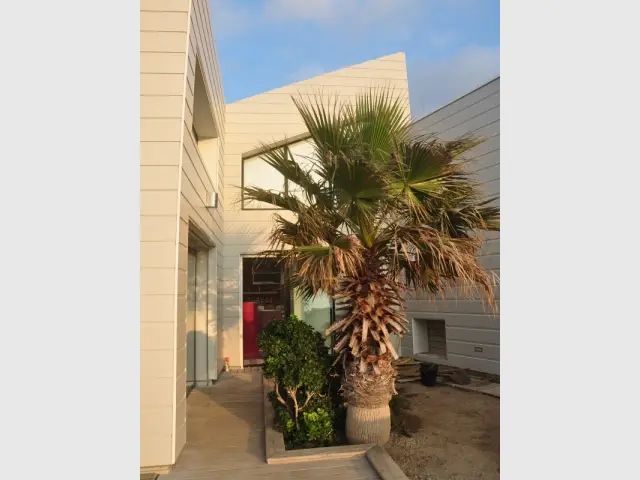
<point x="191" y="320"/>
<point x="265" y="297"/>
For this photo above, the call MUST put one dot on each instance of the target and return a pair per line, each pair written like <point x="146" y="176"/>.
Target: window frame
<point x="257" y="153"/>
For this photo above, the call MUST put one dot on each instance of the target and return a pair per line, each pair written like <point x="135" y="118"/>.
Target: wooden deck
<point x="225" y="439"/>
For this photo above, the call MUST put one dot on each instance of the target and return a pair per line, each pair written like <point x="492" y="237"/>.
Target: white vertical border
<point x="569" y="250"/>
<point x="212" y="314"/>
<point x="70" y="248"/>
<point x="240" y="316"/>
<point x="179" y="225"/>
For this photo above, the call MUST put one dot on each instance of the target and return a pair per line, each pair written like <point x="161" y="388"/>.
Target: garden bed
<point x="276" y="450"/>
<point x="445" y="433"/>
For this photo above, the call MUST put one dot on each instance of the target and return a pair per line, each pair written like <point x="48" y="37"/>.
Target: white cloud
<point x="433" y="84"/>
<point x="229" y="18"/>
<point x="344" y="12"/>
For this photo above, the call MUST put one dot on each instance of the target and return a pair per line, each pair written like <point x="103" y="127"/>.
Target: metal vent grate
<point x="437" y="338"/>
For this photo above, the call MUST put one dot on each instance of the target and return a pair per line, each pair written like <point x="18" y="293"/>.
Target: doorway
<point x="201" y="318"/>
<point x="265" y="298"/>
<point x="191" y="319"/>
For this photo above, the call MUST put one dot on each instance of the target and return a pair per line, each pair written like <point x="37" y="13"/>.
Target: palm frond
<point x="376" y="202"/>
<point x="433" y="261"/>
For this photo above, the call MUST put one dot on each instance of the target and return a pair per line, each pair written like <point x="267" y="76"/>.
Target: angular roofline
<point x="323" y="74"/>
<point x="456" y="99"/>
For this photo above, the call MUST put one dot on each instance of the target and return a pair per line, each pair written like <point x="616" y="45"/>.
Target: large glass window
<point x="317" y="311"/>
<point x="257" y="173"/>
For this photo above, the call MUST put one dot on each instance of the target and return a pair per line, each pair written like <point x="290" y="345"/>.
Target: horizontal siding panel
<point x="181" y="364"/>
<point x="257" y="140"/>
<point x="491" y="188"/>
<point x="156" y="391"/>
<point x="157" y="281"/>
<point x="158" y="202"/>
<point x="165" y="5"/>
<point x="482" y="162"/>
<point x="379" y="79"/>
<point x="161" y="83"/>
<point x="155" y="450"/>
<point x="491" y="144"/>
<point x="485" y="131"/>
<point x="184" y="232"/>
<point x="196" y="181"/>
<point x="156" y="363"/>
<point x="450" y="295"/>
<point x="479" y="108"/>
<point x="233" y="228"/>
<point x="248" y="106"/>
<point x="182" y="282"/>
<point x="196" y="196"/>
<point x="488" y="174"/>
<point x="202" y="217"/>
<point x="462" y="361"/>
<point x="231" y="297"/>
<point x="159" y="152"/>
<point x="164" y="21"/>
<point x="188" y="116"/>
<point x="161" y="106"/>
<point x="491" y="352"/>
<point x="162" y="62"/>
<point x="195" y="157"/>
<point x="345" y="94"/>
<point x="459" y="319"/>
<point x="188" y="98"/>
<point x="274" y="128"/>
<point x="399" y="73"/>
<point x="160" y="129"/>
<point x="158" y="229"/>
<point x="172" y="42"/>
<point x="490" y="262"/>
<point x="262" y="119"/>
<point x="473" y="125"/>
<point x="491" y="247"/>
<point x="453" y="306"/>
<point x="159" y="177"/>
<point x="157" y="308"/>
<point x="476" y="336"/>
<point x="157" y="336"/>
<point x="158" y="254"/>
<point x="459" y="105"/>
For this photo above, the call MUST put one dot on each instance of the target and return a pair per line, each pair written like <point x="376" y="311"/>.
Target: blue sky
<point x="452" y="46"/>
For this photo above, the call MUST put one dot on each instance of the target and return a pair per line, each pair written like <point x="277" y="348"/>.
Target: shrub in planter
<point x="296" y="357"/>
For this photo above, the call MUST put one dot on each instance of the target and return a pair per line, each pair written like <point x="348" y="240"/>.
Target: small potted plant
<point x="428" y="373"/>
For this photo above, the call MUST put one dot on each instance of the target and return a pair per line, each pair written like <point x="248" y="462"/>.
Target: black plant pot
<point x="428" y="374"/>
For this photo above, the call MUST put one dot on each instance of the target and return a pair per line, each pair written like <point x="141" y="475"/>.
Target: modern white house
<point x="456" y="331"/>
<point x="203" y="300"/>
<point x="253" y="124"/>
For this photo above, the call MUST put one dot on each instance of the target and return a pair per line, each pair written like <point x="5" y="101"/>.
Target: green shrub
<point x="296" y="356"/>
<point x="318" y="426"/>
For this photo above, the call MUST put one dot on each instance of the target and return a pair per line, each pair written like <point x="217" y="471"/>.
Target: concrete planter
<point x="276" y="453"/>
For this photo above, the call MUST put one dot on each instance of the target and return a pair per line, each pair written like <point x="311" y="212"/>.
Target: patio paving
<point x="225" y="439"/>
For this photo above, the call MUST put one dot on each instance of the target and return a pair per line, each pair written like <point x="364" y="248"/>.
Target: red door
<point x="250" y="330"/>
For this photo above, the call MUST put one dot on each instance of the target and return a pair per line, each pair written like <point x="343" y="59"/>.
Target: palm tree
<point x="377" y="212"/>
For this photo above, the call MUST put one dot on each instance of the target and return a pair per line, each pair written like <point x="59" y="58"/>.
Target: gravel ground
<point x="442" y="433"/>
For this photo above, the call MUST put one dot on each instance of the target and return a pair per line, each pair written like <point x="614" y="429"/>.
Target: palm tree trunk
<point x="374" y="311"/>
<point x="368" y="395"/>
